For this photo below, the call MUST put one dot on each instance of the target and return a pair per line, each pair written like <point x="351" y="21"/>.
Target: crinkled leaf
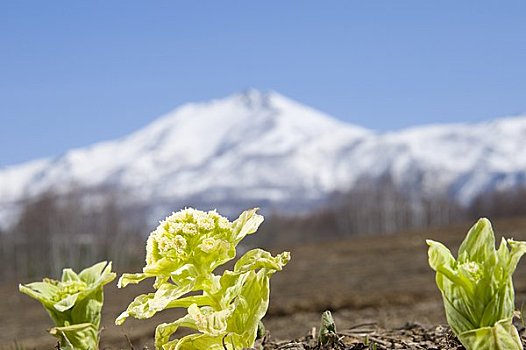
<point x="250" y="307"/>
<point x="131" y="278"/>
<point x="169" y="292"/>
<point x="203" y="341"/>
<point x="258" y="258"/>
<point x="138" y="308"/>
<point x="77" y="337"/>
<point x="161" y="267"/>
<point x="199" y="341"/>
<point x="502" y="336"/>
<point x="247" y="223"/>
<point x="244" y="301"/>
<point x="222" y="253"/>
<point x="147" y="305"/>
<point x="231" y="285"/>
<point x="200" y="300"/>
<point x="209" y="321"/>
<point x="164" y="331"/>
<point x="185" y="275"/>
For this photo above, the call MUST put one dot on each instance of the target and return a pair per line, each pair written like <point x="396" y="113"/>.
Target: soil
<point x="380" y="280"/>
<point x="410" y="337"/>
<point x="368" y="336"/>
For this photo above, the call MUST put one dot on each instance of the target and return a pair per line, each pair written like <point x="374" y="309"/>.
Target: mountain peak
<point x="239" y="148"/>
<point x="260" y="148"/>
<point x="254" y="98"/>
<point x="250" y="107"/>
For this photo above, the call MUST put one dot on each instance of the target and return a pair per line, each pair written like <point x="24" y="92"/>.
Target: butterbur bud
<point x="182" y="254"/>
<point x="477" y="288"/>
<point x="74" y="303"/>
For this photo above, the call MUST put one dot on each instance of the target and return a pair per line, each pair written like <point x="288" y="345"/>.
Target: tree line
<point x="76" y="230"/>
<point x="379" y="206"/>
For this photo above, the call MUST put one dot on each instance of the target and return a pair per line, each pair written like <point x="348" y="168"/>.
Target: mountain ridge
<point x="263" y="149"/>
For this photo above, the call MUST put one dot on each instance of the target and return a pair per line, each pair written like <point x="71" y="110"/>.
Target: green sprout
<point x="477" y="288"/>
<point x="182" y="254"/>
<point x="74" y="304"/>
<point x="327" y="328"/>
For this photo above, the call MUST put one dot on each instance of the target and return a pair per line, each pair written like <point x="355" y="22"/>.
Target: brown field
<point x="382" y="279"/>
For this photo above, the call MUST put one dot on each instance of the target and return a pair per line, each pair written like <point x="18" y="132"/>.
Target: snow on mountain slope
<point x="461" y="159"/>
<point x="253" y="148"/>
<point x="263" y="149"/>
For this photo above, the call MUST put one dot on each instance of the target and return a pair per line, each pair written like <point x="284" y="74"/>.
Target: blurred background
<point x="358" y="128"/>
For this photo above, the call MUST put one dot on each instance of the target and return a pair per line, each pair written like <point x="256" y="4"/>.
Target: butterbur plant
<point x="74" y="304"/>
<point x="477" y="288"/>
<point x="223" y="310"/>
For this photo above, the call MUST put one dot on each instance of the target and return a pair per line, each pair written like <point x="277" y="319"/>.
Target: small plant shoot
<point x="477" y="288"/>
<point x="327" y="329"/>
<point x="74" y="304"/>
<point x="182" y="254"/>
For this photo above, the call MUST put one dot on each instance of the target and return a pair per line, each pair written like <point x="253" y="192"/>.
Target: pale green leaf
<point x="69" y="275"/>
<point x="74" y="304"/>
<point x="164" y="331"/>
<point x="97" y="275"/>
<point x="247" y="223"/>
<point x="477" y="289"/>
<point x="479" y="244"/>
<point x="139" y="308"/>
<point x="209" y="321"/>
<point x="131" y="278"/>
<point x="66" y="303"/>
<point x="250" y="307"/>
<point x="77" y="337"/>
<point x="40" y="291"/>
<point x="200" y="300"/>
<point x="258" y="258"/>
<point x="518" y="249"/>
<point x="502" y="336"/>
<point x="169" y="292"/>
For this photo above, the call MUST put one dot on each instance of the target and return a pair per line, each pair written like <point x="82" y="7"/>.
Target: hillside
<point x="263" y="149"/>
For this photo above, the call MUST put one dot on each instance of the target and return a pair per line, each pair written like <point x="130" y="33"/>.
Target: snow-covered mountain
<point x="263" y="149"/>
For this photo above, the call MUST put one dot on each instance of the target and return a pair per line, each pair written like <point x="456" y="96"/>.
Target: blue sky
<point x="76" y="72"/>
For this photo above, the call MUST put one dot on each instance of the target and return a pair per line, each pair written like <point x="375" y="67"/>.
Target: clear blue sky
<point x="76" y="72"/>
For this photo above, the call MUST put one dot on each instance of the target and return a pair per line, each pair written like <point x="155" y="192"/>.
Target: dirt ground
<point x="383" y="281"/>
<point x="367" y="337"/>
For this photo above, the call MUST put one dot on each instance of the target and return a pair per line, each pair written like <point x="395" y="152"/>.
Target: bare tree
<point x="500" y="203"/>
<point x="74" y="229"/>
<point x="371" y="206"/>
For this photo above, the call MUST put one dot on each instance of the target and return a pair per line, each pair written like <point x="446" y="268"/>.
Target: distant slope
<point x="263" y="149"/>
<point x="462" y="160"/>
<point x="249" y="149"/>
